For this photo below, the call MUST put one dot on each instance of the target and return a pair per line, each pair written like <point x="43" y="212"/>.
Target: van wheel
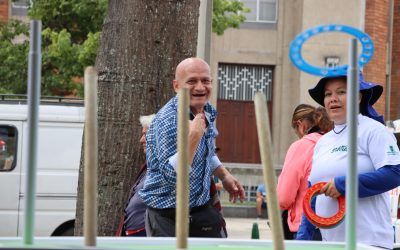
<point x="65" y="229"/>
<point x="67" y="232"/>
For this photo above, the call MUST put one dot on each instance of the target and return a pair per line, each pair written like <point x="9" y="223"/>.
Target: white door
<point x="59" y="151"/>
<point x="10" y="175"/>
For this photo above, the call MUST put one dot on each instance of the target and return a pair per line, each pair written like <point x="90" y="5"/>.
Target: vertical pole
<point x="352" y="121"/>
<point x="204" y="30"/>
<point x="363" y="5"/>
<point x="34" y="76"/>
<point x="90" y="158"/>
<point x="264" y="139"/>
<point x="182" y="190"/>
<point x="389" y="64"/>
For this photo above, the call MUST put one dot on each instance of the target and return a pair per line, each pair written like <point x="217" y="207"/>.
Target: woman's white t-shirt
<point x="376" y="148"/>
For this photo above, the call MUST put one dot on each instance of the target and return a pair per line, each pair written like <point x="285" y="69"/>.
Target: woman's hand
<point x="330" y="190"/>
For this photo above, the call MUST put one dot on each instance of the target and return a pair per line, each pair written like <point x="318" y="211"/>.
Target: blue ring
<point x="297" y="44"/>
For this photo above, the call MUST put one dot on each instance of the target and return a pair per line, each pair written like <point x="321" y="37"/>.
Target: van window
<point x="8" y="147"/>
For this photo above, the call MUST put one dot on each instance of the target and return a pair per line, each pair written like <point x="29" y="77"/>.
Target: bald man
<point x="159" y="189"/>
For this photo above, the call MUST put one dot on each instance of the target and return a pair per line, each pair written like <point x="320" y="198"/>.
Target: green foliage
<point x="13" y="58"/>
<point x="63" y="61"/>
<point x="78" y="17"/>
<point x="59" y="63"/>
<point x="67" y="61"/>
<point x="70" y="40"/>
<point x="71" y="34"/>
<point x="88" y="51"/>
<point x="227" y="14"/>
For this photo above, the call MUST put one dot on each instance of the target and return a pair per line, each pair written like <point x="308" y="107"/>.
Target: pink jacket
<point x="293" y="181"/>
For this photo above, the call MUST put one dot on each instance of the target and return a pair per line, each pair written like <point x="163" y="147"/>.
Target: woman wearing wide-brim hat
<point x="378" y="162"/>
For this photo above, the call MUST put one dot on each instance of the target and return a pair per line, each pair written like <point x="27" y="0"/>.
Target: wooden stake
<point x="264" y="139"/>
<point x="90" y="159"/>
<point x="182" y="191"/>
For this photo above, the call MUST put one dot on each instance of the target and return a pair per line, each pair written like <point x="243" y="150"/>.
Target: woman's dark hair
<point x="317" y="118"/>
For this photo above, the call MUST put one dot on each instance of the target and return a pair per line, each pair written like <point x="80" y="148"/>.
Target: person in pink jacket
<point x="310" y="124"/>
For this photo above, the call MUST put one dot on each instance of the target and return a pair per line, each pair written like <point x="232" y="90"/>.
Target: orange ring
<point x="322" y="222"/>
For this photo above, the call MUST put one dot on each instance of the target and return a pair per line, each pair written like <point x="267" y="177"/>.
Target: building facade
<point x="4" y="10"/>
<point x="256" y="58"/>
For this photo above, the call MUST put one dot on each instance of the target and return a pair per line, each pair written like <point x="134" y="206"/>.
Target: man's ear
<point x="176" y="85"/>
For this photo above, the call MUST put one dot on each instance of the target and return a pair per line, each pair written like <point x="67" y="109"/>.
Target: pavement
<point x="240" y="228"/>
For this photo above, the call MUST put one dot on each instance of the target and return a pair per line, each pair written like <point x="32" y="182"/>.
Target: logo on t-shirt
<point x="342" y="148"/>
<point x="392" y="151"/>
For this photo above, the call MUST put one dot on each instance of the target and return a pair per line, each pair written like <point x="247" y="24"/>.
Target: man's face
<point x="143" y="138"/>
<point x="195" y="75"/>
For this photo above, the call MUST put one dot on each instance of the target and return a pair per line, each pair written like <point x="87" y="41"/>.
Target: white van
<point x="59" y="141"/>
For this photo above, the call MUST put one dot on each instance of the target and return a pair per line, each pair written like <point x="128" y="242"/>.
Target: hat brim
<point x="370" y="91"/>
<point x="318" y="92"/>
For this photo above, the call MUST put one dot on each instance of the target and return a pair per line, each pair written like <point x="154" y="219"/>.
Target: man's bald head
<point x="188" y="63"/>
<point x="194" y="74"/>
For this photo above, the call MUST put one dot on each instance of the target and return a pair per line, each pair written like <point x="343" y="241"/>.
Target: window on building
<point x="262" y="11"/>
<point x="20" y="8"/>
<point x="8" y="147"/>
<point x="332" y="61"/>
<point x="241" y="82"/>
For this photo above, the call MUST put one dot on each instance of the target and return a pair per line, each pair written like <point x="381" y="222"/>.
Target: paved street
<point x="240" y="228"/>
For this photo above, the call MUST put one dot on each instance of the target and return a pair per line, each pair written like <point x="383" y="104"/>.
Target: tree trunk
<point x="142" y="42"/>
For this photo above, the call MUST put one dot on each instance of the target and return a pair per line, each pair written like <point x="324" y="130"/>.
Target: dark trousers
<point x="288" y="235"/>
<point x="204" y="221"/>
<point x="292" y="235"/>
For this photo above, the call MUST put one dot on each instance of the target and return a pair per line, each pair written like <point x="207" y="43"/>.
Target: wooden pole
<point x="264" y="139"/>
<point x="90" y="159"/>
<point x="182" y="190"/>
<point x="388" y="84"/>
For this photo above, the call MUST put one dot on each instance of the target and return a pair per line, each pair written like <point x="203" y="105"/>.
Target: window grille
<point x="241" y="82"/>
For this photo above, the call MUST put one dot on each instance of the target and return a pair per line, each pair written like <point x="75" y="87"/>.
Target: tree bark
<point x="142" y="42"/>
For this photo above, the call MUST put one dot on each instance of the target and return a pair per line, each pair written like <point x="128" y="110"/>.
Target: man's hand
<point x="234" y="188"/>
<point x="230" y="184"/>
<point x="330" y="190"/>
<point x="197" y="127"/>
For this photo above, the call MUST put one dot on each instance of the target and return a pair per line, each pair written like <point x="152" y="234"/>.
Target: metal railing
<point x="249" y="190"/>
<point x="47" y="100"/>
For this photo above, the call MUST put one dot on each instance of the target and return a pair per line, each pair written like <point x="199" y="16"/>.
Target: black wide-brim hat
<point x="370" y="94"/>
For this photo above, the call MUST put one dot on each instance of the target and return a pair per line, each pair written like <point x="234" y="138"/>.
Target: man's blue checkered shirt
<point x="159" y="189"/>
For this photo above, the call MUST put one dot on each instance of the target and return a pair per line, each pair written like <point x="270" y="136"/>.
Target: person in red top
<point x="309" y="124"/>
<point x="2" y="146"/>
